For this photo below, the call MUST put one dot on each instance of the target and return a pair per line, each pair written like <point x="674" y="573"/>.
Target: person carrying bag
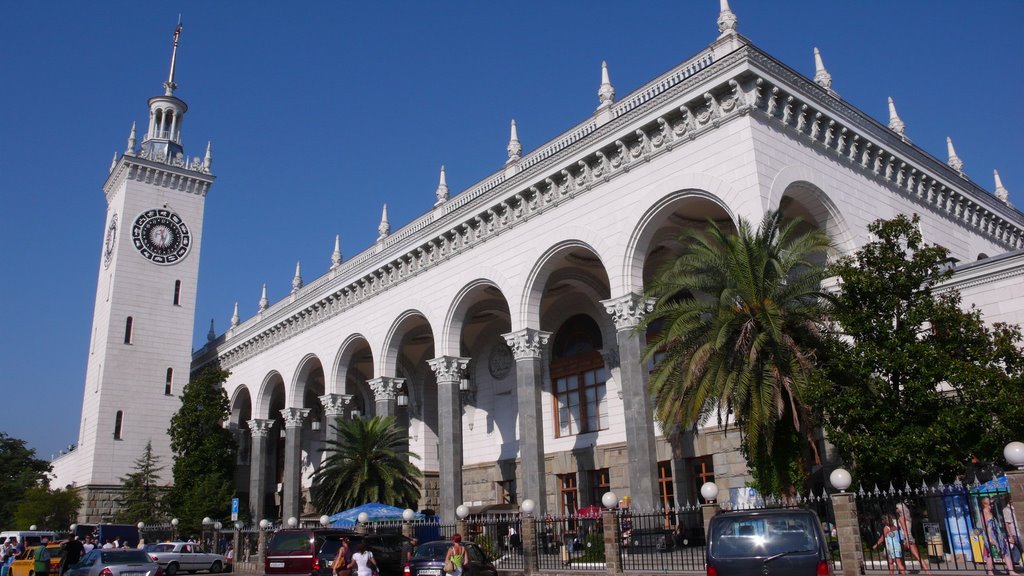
<point x="455" y="560"/>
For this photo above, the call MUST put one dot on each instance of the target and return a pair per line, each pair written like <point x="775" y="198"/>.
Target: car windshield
<point x="290" y="542"/>
<point x="431" y="551"/>
<point x="160" y="547"/>
<point x="762" y="536"/>
<point x="124" y="557"/>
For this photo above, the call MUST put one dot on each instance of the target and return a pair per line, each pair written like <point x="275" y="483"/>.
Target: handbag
<point x="449" y="566"/>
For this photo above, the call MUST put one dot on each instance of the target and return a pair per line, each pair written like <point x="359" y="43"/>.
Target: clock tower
<point x="141" y="342"/>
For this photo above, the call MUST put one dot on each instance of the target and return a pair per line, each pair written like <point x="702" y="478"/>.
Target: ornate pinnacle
<point x="606" y="93"/>
<point x="113" y="162"/>
<point x="726" y="19"/>
<point x="384" y="228"/>
<point x="821" y="76"/>
<point x="263" y="298"/>
<point x="208" y="158"/>
<point x="297" y="279"/>
<point x="895" y="124"/>
<point x="514" y="147"/>
<point x="442" y="189"/>
<point x="130" y="148"/>
<point x="169" y="86"/>
<point x="954" y="161"/>
<point x="1001" y="192"/>
<point x="234" y="317"/>
<point x="212" y="334"/>
<point x="336" y="255"/>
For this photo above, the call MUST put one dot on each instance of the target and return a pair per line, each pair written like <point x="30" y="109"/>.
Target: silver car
<point x="176" y="557"/>
<point x="115" y="563"/>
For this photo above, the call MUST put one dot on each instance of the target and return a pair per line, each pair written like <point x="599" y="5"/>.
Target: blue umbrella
<point x="374" y="510"/>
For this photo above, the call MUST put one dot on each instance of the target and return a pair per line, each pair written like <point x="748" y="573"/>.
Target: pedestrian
<point x="407" y="549"/>
<point x="904" y="523"/>
<point x="88" y="546"/>
<point x="343" y="558"/>
<point x="41" y="558"/>
<point x="456" y="555"/>
<point x="363" y="562"/>
<point x="893" y="545"/>
<point x="19" y="547"/>
<point x="73" y="552"/>
<point x="108" y="545"/>
<point x="994" y="542"/>
<point x="229" y="557"/>
<point x="1012" y="538"/>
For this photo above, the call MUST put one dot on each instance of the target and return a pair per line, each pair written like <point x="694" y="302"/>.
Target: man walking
<point x="41" y="558"/>
<point x="73" y="552"/>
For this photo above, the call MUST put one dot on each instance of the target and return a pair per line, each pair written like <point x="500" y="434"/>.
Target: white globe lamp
<point x="238" y="525"/>
<point x="174" y="521"/>
<point x="363" y="517"/>
<point x="840" y="479"/>
<point x="293" y="521"/>
<point x="610" y="500"/>
<point x="709" y="490"/>
<point x="528" y="506"/>
<point x="462" y="511"/>
<point x="33" y="527"/>
<point x="264" y="523"/>
<point x="325" y="520"/>
<point x="217" y="526"/>
<point x="207" y="521"/>
<point x="74" y="528"/>
<point x="1014" y="454"/>
<point x="408" y="514"/>
<point x="140" y="526"/>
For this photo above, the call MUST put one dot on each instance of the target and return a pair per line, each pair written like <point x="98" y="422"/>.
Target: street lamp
<point x="408" y="514"/>
<point x="293" y="521"/>
<point x="462" y="511"/>
<point x="528" y="506"/>
<point x="33" y="527"/>
<point x="709" y="490"/>
<point x="174" y="528"/>
<point x="363" y="517"/>
<point x="610" y="500"/>
<point x="1014" y="454"/>
<point x="264" y="524"/>
<point x="840" y="479"/>
<point x="325" y="520"/>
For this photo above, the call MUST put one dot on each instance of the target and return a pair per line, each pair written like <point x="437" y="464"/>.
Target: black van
<point x="777" y="542"/>
<point x="310" y="551"/>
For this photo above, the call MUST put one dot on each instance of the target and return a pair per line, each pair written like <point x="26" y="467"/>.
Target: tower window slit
<point x="177" y="292"/>
<point x="118" y="422"/>
<point x="169" y="381"/>
<point x="128" y="326"/>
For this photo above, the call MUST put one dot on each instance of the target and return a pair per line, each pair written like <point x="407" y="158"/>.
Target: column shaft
<point x="292" y="484"/>
<point x="527" y="348"/>
<point x="258" y="468"/>
<point x="639" y="409"/>
<point x="449" y="370"/>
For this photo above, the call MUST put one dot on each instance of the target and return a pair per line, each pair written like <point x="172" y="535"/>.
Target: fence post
<point x="709" y="511"/>
<point x="461" y="528"/>
<point x="528" y="530"/>
<point x="1016" y="481"/>
<point x="408" y="530"/>
<point x="612" y="541"/>
<point x="851" y="552"/>
<point x="261" y="549"/>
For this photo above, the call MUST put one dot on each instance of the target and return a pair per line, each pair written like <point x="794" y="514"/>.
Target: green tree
<point x="914" y="384"/>
<point x="204" y="452"/>
<point x="47" y="509"/>
<point x="738" y="319"/>
<point x="142" y="495"/>
<point x="19" y="471"/>
<point x="368" y="463"/>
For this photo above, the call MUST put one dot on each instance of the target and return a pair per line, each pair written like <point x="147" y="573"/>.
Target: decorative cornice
<point x="627" y="311"/>
<point x="448" y="368"/>
<point x="164" y="175"/>
<point x="259" y="427"/>
<point x="336" y="404"/>
<point x="527" y="343"/>
<point x="294" y="417"/>
<point x="385" y="387"/>
<point x="984" y="272"/>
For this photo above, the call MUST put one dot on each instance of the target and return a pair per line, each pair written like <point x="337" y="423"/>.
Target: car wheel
<point x="216" y="568"/>
<point x="171" y="569"/>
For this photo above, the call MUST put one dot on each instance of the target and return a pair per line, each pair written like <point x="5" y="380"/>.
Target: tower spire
<point x="130" y="148"/>
<point x="1001" y="192"/>
<point x="726" y="19"/>
<point x="606" y="93"/>
<point x="514" y="147"/>
<point x="169" y="86"/>
<point x="954" y="161"/>
<point x="297" y="279"/>
<point x="264" y="302"/>
<point x="895" y="124"/>
<point x="212" y="334"/>
<point x="234" y="317"/>
<point x="384" y="228"/>
<point x="208" y="158"/>
<point x="442" y="189"/>
<point x="336" y="255"/>
<point x="821" y="76"/>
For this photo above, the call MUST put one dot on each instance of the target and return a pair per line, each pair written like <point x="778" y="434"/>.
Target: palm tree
<point x="738" y="318"/>
<point x="368" y="463"/>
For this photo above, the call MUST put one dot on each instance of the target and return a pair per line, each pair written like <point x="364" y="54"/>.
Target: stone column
<point x="528" y="532"/>
<point x="851" y="553"/>
<point x="627" y="311"/>
<point x="709" y="511"/>
<point x="335" y="406"/>
<point x="384" y="390"/>
<point x="1016" y="480"/>
<point x="258" y="428"/>
<point x="449" y="370"/>
<point x="409" y="531"/>
<point x="527" y="348"/>
<point x="612" y="541"/>
<point x="292" y="484"/>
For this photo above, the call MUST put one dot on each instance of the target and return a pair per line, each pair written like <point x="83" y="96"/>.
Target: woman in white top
<point x="362" y="561"/>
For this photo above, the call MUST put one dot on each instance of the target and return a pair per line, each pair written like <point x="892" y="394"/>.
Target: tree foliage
<point x="915" y="384"/>
<point x="737" y="318"/>
<point x="20" y="470"/>
<point x="368" y="463"/>
<point x="47" y="509"/>
<point x="142" y="496"/>
<point x="204" y="452"/>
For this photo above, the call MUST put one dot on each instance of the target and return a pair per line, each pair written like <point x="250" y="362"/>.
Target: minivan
<point x="775" y="542"/>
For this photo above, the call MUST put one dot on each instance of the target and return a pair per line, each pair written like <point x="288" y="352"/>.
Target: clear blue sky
<point x="319" y="112"/>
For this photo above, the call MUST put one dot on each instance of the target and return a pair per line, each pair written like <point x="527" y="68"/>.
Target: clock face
<point x="109" y="241"/>
<point x="161" y="236"/>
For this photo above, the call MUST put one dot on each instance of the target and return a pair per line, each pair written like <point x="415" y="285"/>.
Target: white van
<point x="28" y="537"/>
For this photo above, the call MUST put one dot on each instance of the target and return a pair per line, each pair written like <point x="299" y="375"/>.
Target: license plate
<point x="429" y="572"/>
<point x="277" y="564"/>
<point x="133" y="574"/>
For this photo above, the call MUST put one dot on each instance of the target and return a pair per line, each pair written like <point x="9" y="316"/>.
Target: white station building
<point x="499" y="326"/>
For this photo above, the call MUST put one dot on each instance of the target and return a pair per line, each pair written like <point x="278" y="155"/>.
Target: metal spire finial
<point x="212" y="334"/>
<point x="234" y="317"/>
<point x="208" y="159"/>
<point x="336" y="255"/>
<point x="384" y="228"/>
<point x="726" y="19"/>
<point x="514" y="147"/>
<point x="954" y="161"/>
<point x="895" y="124"/>
<point x="130" y="148"/>
<point x="821" y="76"/>
<point x="1001" y="192"/>
<point x="264" y="302"/>
<point x="606" y="93"/>
<point x="169" y="86"/>
<point x="442" y="189"/>
<point x="297" y="279"/>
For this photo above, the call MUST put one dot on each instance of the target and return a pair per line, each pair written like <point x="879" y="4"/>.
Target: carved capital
<point x="294" y="417"/>
<point x="448" y="368"/>
<point x="385" y="387"/>
<point x="527" y="343"/>
<point x="335" y="404"/>
<point x="259" y="427"/>
<point x="627" y="311"/>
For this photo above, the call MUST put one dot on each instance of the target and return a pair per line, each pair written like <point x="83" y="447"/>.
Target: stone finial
<point x="821" y="76"/>
<point x="234" y="317"/>
<point x="130" y="148"/>
<point x="113" y="162"/>
<point x="264" y="302"/>
<point x="606" y="93"/>
<point x="336" y="255"/>
<point x="297" y="279"/>
<point x="384" y="228"/>
<point x="442" y="189"/>
<point x="1001" y="192"/>
<point x="726" y="19"/>
<point x="208" y="158"/>
<point x="895" y="124"/>
<point x="954" y="161"/>
<point x="514" y="147"/>
<point x="212" y="334"/>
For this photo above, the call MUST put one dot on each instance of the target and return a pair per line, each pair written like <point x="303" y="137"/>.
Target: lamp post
<point x="261" y="551"/>
<point x="709" y="490"/>
<point x="207" y="525"/>
<point x="236" y="547"/>
<point x="217" y="526"/>
<point x="612" y="533"/>
<point x="140" y="526"/>
<point x="363" y="518"/>
<point x="1014" y="454"/>
<point x="528" y="531"/>
<point x="174" y="529"/>
<point x="407" y="528"/>
<point x="844" y="508"/>
<point x="461" y="512"/>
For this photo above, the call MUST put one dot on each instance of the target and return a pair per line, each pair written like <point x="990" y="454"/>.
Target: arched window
<point x="169" y="381"/>
<point x="128" y="325"/>
<point x="177" y="292"/>
<point x="578" y="378"/>
<point x="118" y="421"/>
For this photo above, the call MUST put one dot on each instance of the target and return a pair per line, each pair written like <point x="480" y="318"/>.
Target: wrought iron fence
<point x="944" y="527"/>
<point x="500" y="538"/>
<point x="573" y="542"/>
<point x="666" y="540"/>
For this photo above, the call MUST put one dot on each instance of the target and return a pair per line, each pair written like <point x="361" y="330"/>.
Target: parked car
<point x="24" y="564"/>
<point x="176" y="557"/>
<point x="779" y="542"/>
<point x="428" y="560"/>
<point x="311" y="551"/>
<point x="116" y="563"/>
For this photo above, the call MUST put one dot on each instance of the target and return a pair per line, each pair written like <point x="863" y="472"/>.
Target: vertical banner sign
<point x="234" y="509"/>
